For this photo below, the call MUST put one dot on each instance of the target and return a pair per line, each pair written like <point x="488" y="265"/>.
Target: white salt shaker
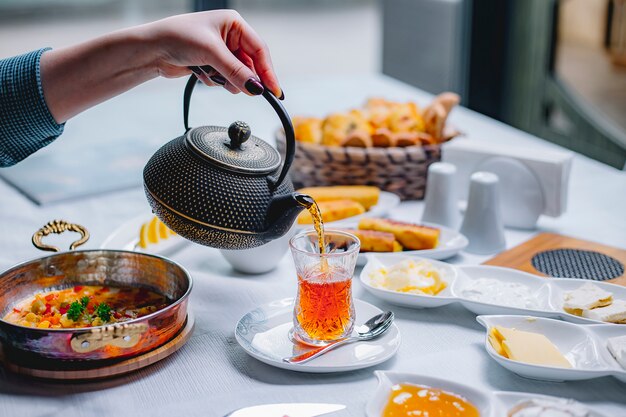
<point x="482" y="224"/>
<point x="441" y="196"/>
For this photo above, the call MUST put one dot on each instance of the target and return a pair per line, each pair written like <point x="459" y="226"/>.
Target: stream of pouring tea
<point x="318" y="224"/>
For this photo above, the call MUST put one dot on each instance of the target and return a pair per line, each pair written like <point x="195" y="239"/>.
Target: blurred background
<point x="554" y="68"/>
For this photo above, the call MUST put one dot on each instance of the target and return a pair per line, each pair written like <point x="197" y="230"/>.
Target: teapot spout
<point x="283" y="212"/>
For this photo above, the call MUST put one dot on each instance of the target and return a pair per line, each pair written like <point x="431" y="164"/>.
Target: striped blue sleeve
<point x="26" y="124"/>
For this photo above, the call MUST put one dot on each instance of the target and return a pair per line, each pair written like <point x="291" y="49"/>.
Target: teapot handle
<point x="290" y="137"/>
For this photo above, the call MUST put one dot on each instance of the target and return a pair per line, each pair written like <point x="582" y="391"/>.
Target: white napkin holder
<point x="533" y="181"/>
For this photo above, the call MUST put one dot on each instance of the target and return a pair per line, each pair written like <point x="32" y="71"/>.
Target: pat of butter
<point x="614" y="313"/>
<point x="528" y="347"/>
<point x="617" y="347"/>
<point x="586" y="297"/>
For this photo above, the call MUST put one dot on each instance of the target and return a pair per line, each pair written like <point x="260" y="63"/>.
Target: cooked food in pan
<point x="85" y="306"/>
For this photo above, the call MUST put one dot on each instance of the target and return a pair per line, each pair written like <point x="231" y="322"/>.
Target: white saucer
<point x="264" y="334"/>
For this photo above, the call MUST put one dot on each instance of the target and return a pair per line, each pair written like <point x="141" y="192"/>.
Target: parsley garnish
<point x="103" y="311"/>
<point x="77" y="308"/>
<point x="75" y="311"/>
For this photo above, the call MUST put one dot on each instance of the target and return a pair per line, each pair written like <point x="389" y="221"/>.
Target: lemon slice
<point x="153" y="230"/>
<point x="163" y="230"/>
<point x="143" y="236"/>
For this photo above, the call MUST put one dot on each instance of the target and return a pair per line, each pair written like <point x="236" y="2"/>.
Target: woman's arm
<point x="81" y="76"/>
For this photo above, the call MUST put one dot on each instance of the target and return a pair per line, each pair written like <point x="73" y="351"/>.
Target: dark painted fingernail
<point x="282" y="95"/>
<point x="254" y="87"/>
<point x="218" y="79"/>
<point x="207" y="68"/>
<point x="195" y="70"/>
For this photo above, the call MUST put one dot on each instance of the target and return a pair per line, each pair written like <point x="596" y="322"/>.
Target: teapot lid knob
<point x="238" y="132"/>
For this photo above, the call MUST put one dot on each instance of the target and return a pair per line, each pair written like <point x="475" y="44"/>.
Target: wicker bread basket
<point x="400" y="170"/>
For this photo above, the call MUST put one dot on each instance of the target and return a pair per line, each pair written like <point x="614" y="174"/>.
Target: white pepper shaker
<point x="441" y="200"/>
<point x="482" y="224"/>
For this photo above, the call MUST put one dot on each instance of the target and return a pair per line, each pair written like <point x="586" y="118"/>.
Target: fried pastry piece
<point x="405" y="117"/>
<point x="436" y="114"/>
<point x="333" y="210"/>
<point x="435" y="117"/>
<point x="403" y="139"/>
<point x="377" y="110"/>
<point x="308" y="129"/>
<point x="411" y="236"/>
<point x="382" y="138"/>
<point x="366" y="195"/>
<point x="346" y="129"/>
<point x="448" y="100"/>
<point x="372" y="241"/>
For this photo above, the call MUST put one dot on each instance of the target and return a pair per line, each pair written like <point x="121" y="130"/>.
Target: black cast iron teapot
<point x="223" y="187"/>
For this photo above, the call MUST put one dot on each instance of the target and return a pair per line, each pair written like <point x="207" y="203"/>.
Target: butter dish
<point x="584" y="347"/>
<point x="486" y="289"/>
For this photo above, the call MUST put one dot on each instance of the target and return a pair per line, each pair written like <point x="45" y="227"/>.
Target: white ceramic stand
<point x="521" y="196"/>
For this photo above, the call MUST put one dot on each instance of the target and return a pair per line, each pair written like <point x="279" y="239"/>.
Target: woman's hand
<point x="220" y="42"/>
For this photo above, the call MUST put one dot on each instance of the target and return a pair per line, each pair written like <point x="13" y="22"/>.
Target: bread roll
<point x="308" y="129"/>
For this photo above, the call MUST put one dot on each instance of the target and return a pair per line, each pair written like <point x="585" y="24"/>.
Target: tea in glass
<point x="324" y="310"/>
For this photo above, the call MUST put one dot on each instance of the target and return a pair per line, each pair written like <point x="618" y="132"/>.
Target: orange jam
<point x="415" y="400"/>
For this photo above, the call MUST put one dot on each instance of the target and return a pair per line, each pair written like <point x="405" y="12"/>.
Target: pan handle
<point x="121" y="336"/>
<point x="58" y="227"/>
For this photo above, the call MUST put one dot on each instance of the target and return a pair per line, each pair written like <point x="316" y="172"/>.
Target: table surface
<point x="212" y="375"/>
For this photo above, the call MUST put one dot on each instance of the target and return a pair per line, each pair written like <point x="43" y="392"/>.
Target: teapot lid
<point x="234" y="148"/>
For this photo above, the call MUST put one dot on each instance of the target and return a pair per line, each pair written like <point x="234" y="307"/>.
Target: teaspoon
<point x="371" y="329"/>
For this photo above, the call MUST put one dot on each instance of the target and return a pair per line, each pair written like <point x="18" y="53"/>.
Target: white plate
<point x="386" y="202"/>
<point x="126" y="237"/>
<point x="548" y="292"/>
<point x="489" y="404"/>
<point x="264" y="334"/>
<point x="450" y="243"/>
<point x="583" y="346"/>
<point x="449" y="275"/>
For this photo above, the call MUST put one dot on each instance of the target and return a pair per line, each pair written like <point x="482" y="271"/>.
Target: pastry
<point x="308" y="129"/>
<point x="366" y="195"/>
<point x="372" y="241"/>
<point x="411" y="236"/>
<point x="405" y="117"/>
<point x="448" y="100"/>
<point x="346" y="129"/>
<point x="333" y="210"/>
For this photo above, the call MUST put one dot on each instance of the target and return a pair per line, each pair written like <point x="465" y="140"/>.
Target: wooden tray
<point x="520" y="257"/>
<point x="111" y="369"/>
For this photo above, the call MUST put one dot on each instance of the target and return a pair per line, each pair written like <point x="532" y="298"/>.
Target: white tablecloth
<point x="212" y="375"/>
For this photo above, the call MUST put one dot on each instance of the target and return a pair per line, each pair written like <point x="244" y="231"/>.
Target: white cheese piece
<point x="614" y="313"/>
<point x="617" y="347"/>
<point x="586" y="297"/>
<point x="542" y="407"/>
<point x="495" y="291"/>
